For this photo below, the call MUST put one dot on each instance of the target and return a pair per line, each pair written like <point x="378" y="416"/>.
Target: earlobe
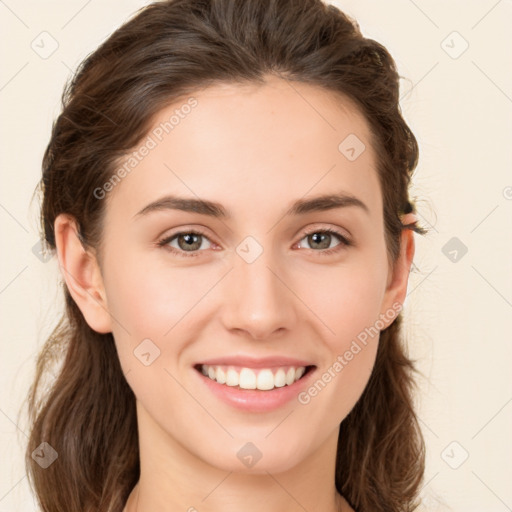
<point x="81" y="272"/>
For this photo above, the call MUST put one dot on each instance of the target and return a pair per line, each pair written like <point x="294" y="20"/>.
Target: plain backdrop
<point x="456" y="94"/>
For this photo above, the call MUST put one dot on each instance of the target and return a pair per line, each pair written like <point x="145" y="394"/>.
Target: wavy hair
<point x="168" y="50"/>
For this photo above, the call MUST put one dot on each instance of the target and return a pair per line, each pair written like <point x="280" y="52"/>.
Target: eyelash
<point x="344" y="242"/>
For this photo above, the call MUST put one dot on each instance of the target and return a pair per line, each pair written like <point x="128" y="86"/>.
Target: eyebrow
<point x="216" y="210"/>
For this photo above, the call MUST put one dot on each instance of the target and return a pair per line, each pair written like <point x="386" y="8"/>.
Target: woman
<point x="226" y="190"/>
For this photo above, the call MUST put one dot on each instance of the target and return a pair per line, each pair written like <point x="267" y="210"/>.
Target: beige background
<point x="459" y="104"/>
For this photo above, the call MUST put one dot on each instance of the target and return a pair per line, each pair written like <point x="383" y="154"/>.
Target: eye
<point x="189" y="243"/>
<point x="322" y="238"/>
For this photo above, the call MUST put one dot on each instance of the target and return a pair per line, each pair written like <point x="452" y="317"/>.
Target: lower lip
<point x="255" y="400"/>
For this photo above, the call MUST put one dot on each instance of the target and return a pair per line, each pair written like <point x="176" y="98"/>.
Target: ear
<point x="396" y="289"/>
<point x="81" y="272"/>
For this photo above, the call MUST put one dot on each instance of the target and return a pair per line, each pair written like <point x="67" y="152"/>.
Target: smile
<point x="263" y="379"/>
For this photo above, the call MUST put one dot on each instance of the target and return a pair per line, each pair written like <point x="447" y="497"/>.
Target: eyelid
<point x="319" y="227"/>
<point x="345" y="239"/>
<point x="164" y="240"/>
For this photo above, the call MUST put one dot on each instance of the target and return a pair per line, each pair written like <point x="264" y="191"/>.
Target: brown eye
<point x="320" y="240"/>
<point x="189" y="243"/>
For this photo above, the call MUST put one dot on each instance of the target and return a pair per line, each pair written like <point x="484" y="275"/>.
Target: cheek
<point x="347" y="299"/>
<point x="150" y="306"/>
<point x="150" y="301"/>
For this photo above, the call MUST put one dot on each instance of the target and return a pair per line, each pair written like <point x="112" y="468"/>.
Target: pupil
<point x="321" y="238"/>
<point x="190" y="241"/>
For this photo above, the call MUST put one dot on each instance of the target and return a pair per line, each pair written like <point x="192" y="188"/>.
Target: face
<point x="266" y="279"/>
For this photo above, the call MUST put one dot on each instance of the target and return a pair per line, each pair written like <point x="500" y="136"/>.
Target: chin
<point x="255" y="458"/>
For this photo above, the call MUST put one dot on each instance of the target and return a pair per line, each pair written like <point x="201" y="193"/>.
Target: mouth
<point x="259" y="379"/>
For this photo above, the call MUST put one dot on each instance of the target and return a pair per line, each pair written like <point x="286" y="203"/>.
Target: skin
<point x="255" y="150"/>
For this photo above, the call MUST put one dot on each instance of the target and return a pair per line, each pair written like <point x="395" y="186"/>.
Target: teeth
<point x="220" y="376"/>
<point x="279" y="378"/>
<point x="232" y="378"/>
<point x="263" y="379"/>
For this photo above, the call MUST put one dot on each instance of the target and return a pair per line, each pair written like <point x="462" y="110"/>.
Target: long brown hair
<point x="168" y="50"/>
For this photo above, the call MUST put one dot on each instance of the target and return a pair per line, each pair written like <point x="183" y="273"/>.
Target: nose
<point x="258" y="299"/>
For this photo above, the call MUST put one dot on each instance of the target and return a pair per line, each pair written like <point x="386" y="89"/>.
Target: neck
<point x="132" y="505"/>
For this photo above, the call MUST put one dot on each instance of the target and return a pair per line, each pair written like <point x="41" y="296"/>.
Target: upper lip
<point x="255" y="362"/>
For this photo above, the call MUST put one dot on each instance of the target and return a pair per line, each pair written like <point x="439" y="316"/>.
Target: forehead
<point x="252" y="146"/>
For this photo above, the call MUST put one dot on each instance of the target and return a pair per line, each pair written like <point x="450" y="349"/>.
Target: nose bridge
<point x="258" y="300"/>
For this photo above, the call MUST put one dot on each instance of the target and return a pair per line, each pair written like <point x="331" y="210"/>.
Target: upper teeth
<point x="247" y="378"/>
